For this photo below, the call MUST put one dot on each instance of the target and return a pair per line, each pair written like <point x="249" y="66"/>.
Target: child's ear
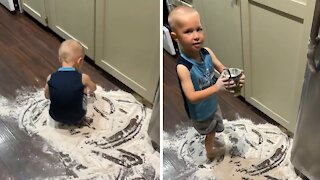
<point x="79" y="60"/>
<point x="174" y="36"/>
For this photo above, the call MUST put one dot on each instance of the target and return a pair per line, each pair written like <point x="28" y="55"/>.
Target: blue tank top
<point x="202" y="76"/>
<point x="66" y="96"/>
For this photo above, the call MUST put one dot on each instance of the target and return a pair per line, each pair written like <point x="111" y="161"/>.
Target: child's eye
<point x="188" y="31"/>
<point x="200" y="29"/>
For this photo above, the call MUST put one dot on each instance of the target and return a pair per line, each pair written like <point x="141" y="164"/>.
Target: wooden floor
<point x="28" y="53"/>
<point x="174" y="114"/>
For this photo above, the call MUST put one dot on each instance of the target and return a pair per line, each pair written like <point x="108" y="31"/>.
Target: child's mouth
<point x="197" y="44"/>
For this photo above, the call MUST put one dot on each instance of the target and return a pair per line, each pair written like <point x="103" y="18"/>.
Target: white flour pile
<point x="252" y="152"/>
<point x="111" y="144"/>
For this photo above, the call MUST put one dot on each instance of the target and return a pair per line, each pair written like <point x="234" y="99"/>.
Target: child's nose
<point x="195" y="35"/>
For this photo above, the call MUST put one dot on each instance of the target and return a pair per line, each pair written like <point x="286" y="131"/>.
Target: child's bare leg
<point x="213" y="147"/>
<point x="209" y="145"/>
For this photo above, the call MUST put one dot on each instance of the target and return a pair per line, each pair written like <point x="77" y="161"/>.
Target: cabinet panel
<point x="221" y="20"/>
<point x="275" y="58"/>
<point x="36" y="8"/>
<point x="292" y="7"/>
<point x="127" y="42"/>
<point x="73" y="19"/>
<point x="268" y="39"/>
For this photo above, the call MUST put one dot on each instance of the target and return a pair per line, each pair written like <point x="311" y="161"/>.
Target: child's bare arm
<point x="46" y="89"/>
<point x="217" y="64"/>
<point x="90" y="86"/>
<point x="188" y="88"/>
<point x="220" y="67"/>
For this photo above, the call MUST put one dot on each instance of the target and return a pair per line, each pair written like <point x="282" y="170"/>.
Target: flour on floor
<point x="111" y="143"/>
<point x="252" y="152"/>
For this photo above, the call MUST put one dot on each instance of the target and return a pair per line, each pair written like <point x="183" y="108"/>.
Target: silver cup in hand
<point x="234" y="75"/>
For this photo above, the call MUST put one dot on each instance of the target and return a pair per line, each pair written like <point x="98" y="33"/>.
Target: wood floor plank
<point x="6" y="134"/>
<point x="4" y="171"/>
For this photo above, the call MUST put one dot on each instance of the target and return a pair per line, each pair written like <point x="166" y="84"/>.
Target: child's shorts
<point x="213" y="123"/>
<point x="53" y="123"/>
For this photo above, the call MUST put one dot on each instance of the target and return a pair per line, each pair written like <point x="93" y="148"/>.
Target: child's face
<point x="189" y="33"/>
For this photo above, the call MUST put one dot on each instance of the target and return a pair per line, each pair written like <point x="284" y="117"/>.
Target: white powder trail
<point x="252" y="152"/>
<point x="111" y="143"/>
<point x="5" y="109"/>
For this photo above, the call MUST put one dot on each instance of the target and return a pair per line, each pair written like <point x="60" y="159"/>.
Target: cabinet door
<point x="275" y="35"/>
<point x="127" y="42"/>
<point x="73" y="19"/>
<point x="36" y="8"/>
<point x="221" y="20"/>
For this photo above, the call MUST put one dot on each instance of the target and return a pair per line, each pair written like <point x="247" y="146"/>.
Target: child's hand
<point x="242" y="79"/>
<point x="230" y="86"/>
<point x="222" y="83"/>
<point x="87" y="90"/>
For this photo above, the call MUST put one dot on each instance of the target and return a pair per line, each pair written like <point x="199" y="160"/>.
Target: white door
<point x="221" y="20"/>
<point x="73" y="19"/>
<point x="275" y="35"/>
<point x="128" y="43"/>
<point x="36" y="8"/>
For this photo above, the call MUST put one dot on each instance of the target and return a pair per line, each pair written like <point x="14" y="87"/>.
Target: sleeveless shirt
<point x="66" y="95"/>
<point x="202" y="76"/>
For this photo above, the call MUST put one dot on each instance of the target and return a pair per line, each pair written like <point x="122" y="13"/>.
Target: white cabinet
<point x="275" y="36"/>
<point x="268" y="39"/>
<point x="123" y="37"/>
<point x="72" y="19"/>
<point x="128" y="43"/>
<point x="221" y="20"/>
<point x="36" y="8"/>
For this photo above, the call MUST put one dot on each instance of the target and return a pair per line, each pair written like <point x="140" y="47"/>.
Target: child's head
<point x="186" y="28"/>
<point x="71" y="53"/>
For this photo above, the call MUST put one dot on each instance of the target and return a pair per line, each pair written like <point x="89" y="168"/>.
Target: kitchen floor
<point x="28" y="53"/>
<point x="176" y="119"/>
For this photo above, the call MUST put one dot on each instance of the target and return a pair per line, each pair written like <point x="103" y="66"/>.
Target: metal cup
<point x="233" y="74"/>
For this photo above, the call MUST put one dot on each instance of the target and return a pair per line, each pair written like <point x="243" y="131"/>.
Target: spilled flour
<point x="252" y="152"/>
<point x="112" y="143"/>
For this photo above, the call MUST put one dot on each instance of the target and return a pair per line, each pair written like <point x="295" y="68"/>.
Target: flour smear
<point x="252" y="152"/>
<point x="112" y="143"/>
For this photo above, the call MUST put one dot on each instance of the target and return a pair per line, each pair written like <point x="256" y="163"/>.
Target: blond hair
<point x="176" y="13"/>
<point x="70" y="50"/>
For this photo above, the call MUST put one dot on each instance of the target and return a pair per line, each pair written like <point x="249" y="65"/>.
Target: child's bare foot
<point x="215" y="148"/>
<point x="215" y="152"/>
<point x="218" y="143"/>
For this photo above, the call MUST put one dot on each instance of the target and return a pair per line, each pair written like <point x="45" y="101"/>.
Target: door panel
<point x="127" y="43"/>
<point x="36" y="8"/>
<point x="295" y="8"/>
<point x="73" y="19"/>
<point x="221" y="20"/>
<point x="275" y="41"/>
